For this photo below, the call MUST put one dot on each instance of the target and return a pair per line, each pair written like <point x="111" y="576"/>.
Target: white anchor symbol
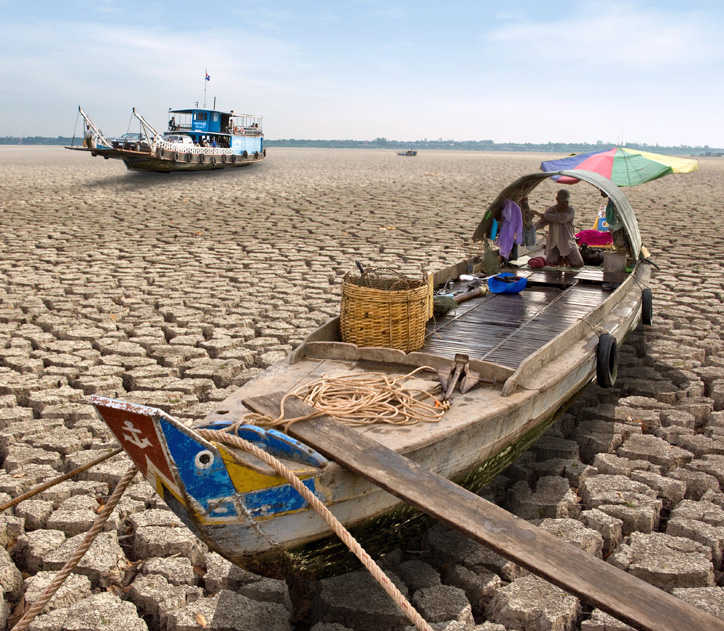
<point x="136" y="437"/>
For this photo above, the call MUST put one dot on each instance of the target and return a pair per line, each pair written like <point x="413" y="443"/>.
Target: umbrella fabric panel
<point x="631" y="169"/>
<point x="600" y="158"/>
<point x="598" y="162"/>
<point x="678" y="165"/>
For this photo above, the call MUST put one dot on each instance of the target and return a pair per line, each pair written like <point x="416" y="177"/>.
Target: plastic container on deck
<point x="499" y="285"/>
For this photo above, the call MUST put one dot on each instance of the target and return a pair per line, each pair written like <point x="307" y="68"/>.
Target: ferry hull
<point x="181" y="163"/>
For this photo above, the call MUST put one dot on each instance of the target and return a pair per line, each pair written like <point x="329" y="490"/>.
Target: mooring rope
<point x="597" y="329"/>
<point x="399" y="599"/>
<point x="79" y="553"/>
<point x="58" y="480"/>
<point x="358" y="399"/>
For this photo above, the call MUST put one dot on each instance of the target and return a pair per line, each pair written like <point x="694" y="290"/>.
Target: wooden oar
<point x="594" y="581"/>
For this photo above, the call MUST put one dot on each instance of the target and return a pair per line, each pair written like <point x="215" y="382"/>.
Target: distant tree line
<point x="35" y="140"/>
<point x="384" y="143"/>
<point x="485" y="145"/>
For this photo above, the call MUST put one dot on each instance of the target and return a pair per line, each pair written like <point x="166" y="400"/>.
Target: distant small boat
<point x="409" y="152"/>
<point x="199" y="140"/>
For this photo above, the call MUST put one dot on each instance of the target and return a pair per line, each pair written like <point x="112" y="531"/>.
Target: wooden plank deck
<point x="507" y="328"/>
<point x="594" y="581"/>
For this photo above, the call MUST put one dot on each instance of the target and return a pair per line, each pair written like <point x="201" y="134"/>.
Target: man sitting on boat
<point x="561" y="247"/>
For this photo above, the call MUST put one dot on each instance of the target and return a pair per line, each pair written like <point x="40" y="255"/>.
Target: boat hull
<point x="528" y="355"/>
<point x="483" y="432"/>
<point x="179" y="162"/>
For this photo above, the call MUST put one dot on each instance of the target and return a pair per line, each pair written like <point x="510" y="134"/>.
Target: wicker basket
<point x="382" y="308"/>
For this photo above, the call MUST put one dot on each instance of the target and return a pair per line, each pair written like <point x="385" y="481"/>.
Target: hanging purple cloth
<point x="511" y="229"/>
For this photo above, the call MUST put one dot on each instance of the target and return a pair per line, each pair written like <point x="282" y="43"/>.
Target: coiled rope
<point x="358" y="399"/>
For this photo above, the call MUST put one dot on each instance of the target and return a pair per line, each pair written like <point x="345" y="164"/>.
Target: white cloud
<point x="627" y="37"/>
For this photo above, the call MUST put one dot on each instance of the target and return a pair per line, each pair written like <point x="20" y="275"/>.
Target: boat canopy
<point x="524" y="185"/>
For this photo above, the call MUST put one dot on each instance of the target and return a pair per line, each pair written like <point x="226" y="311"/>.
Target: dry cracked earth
<point x="173" y="290"/>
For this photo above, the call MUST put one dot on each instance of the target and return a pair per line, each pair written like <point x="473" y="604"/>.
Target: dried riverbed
<point x="173" y="290"/>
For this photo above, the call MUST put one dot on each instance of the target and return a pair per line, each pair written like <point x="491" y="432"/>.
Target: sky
<point x="514" y="71"/>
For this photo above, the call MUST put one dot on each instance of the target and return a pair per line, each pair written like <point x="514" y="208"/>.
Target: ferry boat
<point x="196" y="139"/>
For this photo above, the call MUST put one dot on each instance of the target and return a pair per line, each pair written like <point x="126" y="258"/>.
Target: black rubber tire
<point x="647" y="306"/>
<point x="233" y="158"/>
<point x="188" y="157"/>
<point x="256" y="155"/>
<point x="202" y="158"/>
<point x="245" y="154"/>
<point x="177" y="156"/>
<point x="606" y="360"/>
<point x="264" y="153"/>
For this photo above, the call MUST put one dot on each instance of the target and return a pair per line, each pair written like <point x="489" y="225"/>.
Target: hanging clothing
<point x="528" y="228"/>
<point x="511" y="230"/>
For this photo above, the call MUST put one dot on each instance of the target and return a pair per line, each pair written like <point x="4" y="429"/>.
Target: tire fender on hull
<point x="647" y="306"/>
<point x="606" y="360"/>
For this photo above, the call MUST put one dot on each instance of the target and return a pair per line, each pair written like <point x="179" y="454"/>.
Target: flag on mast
<point x="208" y="77"/>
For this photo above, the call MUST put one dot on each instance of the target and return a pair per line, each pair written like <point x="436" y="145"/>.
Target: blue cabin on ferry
<point x="240" y="132"/>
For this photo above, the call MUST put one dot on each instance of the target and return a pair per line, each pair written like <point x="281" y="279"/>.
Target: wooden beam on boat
<point x="594" y="581"/>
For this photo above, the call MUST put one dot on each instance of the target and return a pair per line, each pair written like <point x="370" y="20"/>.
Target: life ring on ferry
<point x="647" y="306"/>
<point x="245" y="154"/>
<point x="606" y="360"/>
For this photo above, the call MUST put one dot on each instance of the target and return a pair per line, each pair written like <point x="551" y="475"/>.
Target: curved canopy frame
<point x="524" y="185"/>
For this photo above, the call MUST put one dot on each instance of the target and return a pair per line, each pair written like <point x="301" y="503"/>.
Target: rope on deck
<point x="359" y="399"/>
<point x="399" y="599"/>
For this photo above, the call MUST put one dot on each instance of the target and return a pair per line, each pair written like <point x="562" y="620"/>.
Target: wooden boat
<point x="409" y="153"/>
<point x="518" y="358"/>
<point x="197" y="139"/>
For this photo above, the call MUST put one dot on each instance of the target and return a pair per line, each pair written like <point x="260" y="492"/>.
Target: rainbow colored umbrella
<point x="623" y="166"/>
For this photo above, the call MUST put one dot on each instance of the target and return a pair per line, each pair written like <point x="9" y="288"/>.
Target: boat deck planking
<point x="507" y="328"/>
